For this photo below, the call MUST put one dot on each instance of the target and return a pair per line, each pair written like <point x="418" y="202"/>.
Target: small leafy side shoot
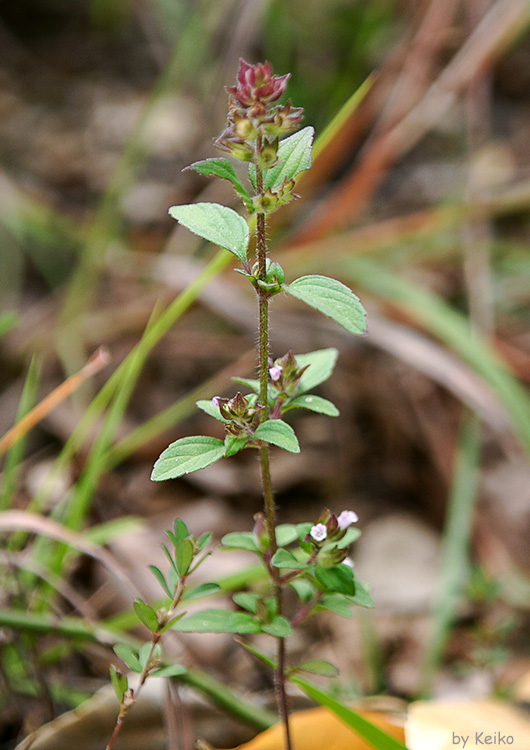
<point x="309" y="558"/>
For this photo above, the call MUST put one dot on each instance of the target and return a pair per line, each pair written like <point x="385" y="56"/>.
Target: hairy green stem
<point x="268" y="496"/>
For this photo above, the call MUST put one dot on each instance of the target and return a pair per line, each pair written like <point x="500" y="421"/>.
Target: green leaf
<point x="304" y="590"/>
<point x="246" y="600"/>
<point x="204" y="540"/>
<point x="160" y="578"/>
<point x="332" y="298"/>
<point x="372" y="734"/>
<point x="449" y="325"/>
<point x="174" y="670"/>
<point x="187" y="455"/>
<point x="120" y="683"/>
<point x="8" y="321"/>
<point x="183" y="556"/>
<point x="204" y="589"/>
<point x="180" y="529"/>
<point x="279" y="433"/>
<point x="234" y="444"/>
<point x="313" y="403"/>
<point x="167" y="553"/>
<point x="362" y="598"/>
<point x="321" y="365"/>
<point x="241" y="540"/>
<point x="169" y="624"/>
<point x="145" y="650"/>
<point x="294" y="156"/>
<point x="224" y="169"/>
<point x="279" y="627"/>
<point x="286" y="533"/>
<point x="218" y="621"/>
<point x="318" y="666"/>
<point x="282" y="558"/>
<point x="336" y="603"/>
<point x="248" y="382"/>
<point x="217" y="224"/>
<point x="351" y="535"/>
<point x="146" y="614"/>
<point x="126" y="654"/>
<point x="338" y="579"/>
<point x="211" y="410"/>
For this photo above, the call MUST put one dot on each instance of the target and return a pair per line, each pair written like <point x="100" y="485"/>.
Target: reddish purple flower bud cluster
<point x="256" y="83"/>
<point x="254" y="127"/>
<point x="285" y="374"/>
<point x="240" y="414"/>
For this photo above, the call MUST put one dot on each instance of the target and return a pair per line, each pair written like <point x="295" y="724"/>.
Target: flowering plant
<point x="310" y="558"/>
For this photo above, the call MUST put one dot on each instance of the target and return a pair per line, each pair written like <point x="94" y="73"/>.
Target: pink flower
<point x="275" y="372"/>
<point x="346" y="518"/>
<point x="319" y="532"/>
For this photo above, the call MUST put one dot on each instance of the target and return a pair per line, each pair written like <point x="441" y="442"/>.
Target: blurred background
<point x="418" y="199"/>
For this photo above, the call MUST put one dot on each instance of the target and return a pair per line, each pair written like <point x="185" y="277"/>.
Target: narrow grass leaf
<point x="174" y="670"/>
<point x="318" y="666"/>
<point x="455" y="564"/>
<point x="187" y="455"/>
<point x="218" y="224"/>
<point x="376" y="737"/>
<point x="332" y="298"/>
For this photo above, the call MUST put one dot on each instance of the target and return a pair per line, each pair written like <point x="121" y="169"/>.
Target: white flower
<point x="319" y="532"/>
<point x="275" y="372"/>
<point x="346" y="518"/>
<point x="349" y="562"/>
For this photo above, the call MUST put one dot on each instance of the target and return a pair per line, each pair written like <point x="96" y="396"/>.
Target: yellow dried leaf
<point x="319" y="729"/>
<point x="466" y="725"/>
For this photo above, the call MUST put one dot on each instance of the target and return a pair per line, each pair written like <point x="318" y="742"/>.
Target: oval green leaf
<point x="314" y="403"/>
<point x="119" y="683"/>
<point x="218" y="224"/>
<point x="224" y="169"/>
<point x="146" y="614"/>
<point x="241" y="540"/>
<point x="126" y="654"/>
<point x="279" y="627"/>
<point x="183" y="556"/>
<point x="332" y="298"/>
<point x="277" y="432"/>
<point x="321" y="365"/>
<point x="187" y="455"/>
<point x="218" y="621"/>
<point x="294" y="156"/>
